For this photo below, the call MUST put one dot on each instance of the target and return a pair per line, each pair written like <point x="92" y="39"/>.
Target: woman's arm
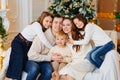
<point x="88" y="34"/>
<point x="42" y="36"/>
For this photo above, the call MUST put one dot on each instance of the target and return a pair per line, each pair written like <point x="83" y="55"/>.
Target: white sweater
<point x="38" y="51"/>
<point x="94" y="33"/>
<point x="33" y="30"/>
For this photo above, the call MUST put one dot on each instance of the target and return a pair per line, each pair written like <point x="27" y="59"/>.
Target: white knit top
<point x="94" y="33"/>
<point x="33" y="30"/>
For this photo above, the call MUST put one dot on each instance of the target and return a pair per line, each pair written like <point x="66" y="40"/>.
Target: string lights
<point x="114" y="16"/>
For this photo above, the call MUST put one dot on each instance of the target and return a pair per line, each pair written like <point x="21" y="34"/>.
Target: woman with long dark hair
<point x="103" y="43"/>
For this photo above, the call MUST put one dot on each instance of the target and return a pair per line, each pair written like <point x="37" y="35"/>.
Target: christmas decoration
<point x="117" y="15"/>
<point x="3" y="33"/>
<point x="118" y="27"/>
<point x="68" y="8"/>
<point x="109" y="15"/>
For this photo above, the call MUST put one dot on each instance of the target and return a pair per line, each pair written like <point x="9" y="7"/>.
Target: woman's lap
<point x="94" y="56"/>
<point x="18" y="58"/>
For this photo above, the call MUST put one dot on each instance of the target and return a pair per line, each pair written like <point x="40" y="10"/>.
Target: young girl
<point x="22" y="42"/>
<point x="102" y="42"/>
<point x="61" y="48"/>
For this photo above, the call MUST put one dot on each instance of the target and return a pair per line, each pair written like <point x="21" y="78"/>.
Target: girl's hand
<point x="71" y="41"/>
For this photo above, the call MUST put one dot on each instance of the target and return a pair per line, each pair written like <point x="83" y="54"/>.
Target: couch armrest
<point x="113" y="35"/>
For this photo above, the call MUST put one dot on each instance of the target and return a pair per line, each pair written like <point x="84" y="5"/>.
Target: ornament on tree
<point x="70" y="6"/>
<point x="94" y="20"/>
<point x="66" y="0"/>
<point x="67" y="11"/>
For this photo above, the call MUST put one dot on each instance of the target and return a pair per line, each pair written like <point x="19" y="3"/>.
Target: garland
<point x="108" y="15"/>
<point x="3" y="33"/>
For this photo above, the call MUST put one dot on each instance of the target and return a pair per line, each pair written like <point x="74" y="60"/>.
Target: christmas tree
<point x="71" y="7"/>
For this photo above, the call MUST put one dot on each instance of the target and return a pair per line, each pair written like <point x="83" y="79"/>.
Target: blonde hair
<point x="62" y="33"/>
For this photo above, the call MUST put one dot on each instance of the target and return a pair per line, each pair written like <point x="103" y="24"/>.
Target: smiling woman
<point x="23" y="41"/>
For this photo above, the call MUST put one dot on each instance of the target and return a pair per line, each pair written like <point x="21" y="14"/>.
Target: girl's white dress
<point x="79" y="65"/>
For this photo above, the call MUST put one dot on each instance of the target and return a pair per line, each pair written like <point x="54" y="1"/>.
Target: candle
<point x="3" y="4"/>
<point x="6" y="4"/>
<point x="0" y="5"/>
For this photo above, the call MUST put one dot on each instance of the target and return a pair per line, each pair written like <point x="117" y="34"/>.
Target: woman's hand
<point x="71" y="41"/>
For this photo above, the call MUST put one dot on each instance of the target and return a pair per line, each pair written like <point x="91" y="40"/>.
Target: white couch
<point x="112" y="34"/>
<point x="109" y="70"/>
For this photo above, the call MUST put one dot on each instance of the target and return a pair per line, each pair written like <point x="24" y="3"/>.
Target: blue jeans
<point x="34" y="68"/>
<point x="95" y="56"/>
<point x="18" y="58"/>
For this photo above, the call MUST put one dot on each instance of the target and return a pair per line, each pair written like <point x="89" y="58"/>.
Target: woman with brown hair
<point x="22" y="43"/>
<point x="92" y="32"/>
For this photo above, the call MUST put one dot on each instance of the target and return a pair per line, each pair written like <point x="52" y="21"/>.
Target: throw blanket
<point x="109" y="70"/>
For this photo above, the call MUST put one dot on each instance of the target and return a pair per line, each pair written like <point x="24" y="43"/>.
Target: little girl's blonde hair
<point x="62" y="33"/>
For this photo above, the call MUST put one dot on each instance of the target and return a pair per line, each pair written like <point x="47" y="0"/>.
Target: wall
<point x="13" y="17"/>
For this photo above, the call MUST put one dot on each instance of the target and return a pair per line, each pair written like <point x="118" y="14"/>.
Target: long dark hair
<point x="81" y="18"/>
<point x="77" y="34"/>
<point x="41" y="18"/>
<point x="85" y="22"/>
